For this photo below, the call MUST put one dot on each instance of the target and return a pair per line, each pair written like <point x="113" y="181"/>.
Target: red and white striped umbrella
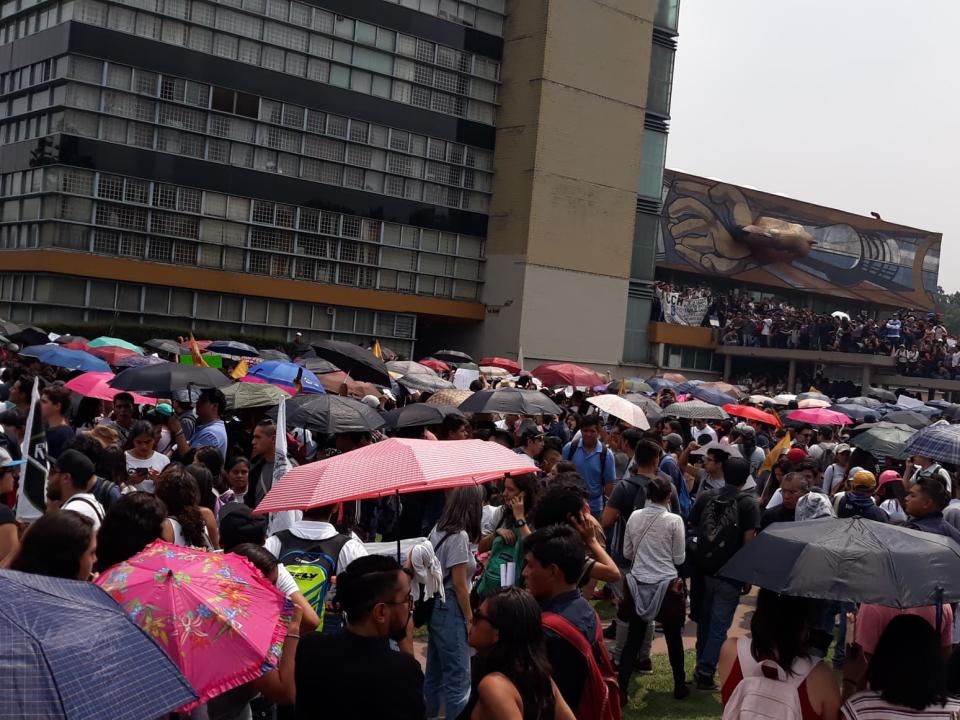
<point x="392" y="466"/>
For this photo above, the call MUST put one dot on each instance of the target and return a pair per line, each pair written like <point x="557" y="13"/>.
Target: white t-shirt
<point x="317" y="530"/>
<point x="767" y="326"/>
<point x="156" y="462"/>
<point x="87" y="505"/>
<point x="893" y="510"/>
<point x="705" y="430"/>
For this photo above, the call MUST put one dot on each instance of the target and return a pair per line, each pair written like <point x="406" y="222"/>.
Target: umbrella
<point x="419" y="415"/>
<point x="881" y="394"/>
<point x="676" y="377"/>
<point x="818" y="416"/>
<point x="163" y="380"/>
<point x="511" y="366"/>
<point x="359" y="363"/>
<point x="840" y="314"/>
<point x="493" y="371"/>
<point x="907" y="417"/>
<point x="927" y="412"/>
<point x="112" y="354"/>
<point x="726" y="388"/>
<point x="562" y="374"/>
<point x="731" y="450"/>
<point x="104" y="341"/>
<point x="271" y="354"/>
<point x="808" y="403"/>
<point x="449" y="397"/>
<point x="335" y="382"/>
<point x="938" y="442"/>
<point x="330" y="414"/>
<point x="67" y="339"/>
<point x="289" y="374"/>
<point x="812" y="395"/>
<point x="408" y="367"/>
<point x="171" y="347"/>
<point x="861" y="400"/>
<point x="318" y="366"/>
<point x="94" y="385"/>
<point x="233" y="348"/>
<point x="30" y="336"/>
<point x="621" y="408"/>
<point x="435" y="365"/>
<point x="651" y="410"/>
<point x="215" y="614"/>
<point x="883" y="439"/>
<point x="857" y="413"/>
<point x="658" y="383"/>
<point x="69" y="651"/>
<point x="629" y="385"/>
<point x="392" y="466"/>
<point x="254" y="380"/>
<point x="10" y="328"/>
<point x="454" y="357"/>
<point x="510" y="400"/>
<point x="710" y="395"/>
<point x="243" y="395"/>
<point x="138" y="361"/>
<point x="784" y="399"/>
<point x="79" y="345"/>
<point x="425" y="383"/>
<point x="694" y="410"/>
<point x="69" y="359"/>
<point x="752" y="413"/>
<point x="851" y="560"/>
<point x="942" y="404"/>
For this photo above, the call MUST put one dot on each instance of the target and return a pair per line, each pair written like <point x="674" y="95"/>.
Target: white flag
<point x="31" y="497"/>
<point x="285" y="519"/>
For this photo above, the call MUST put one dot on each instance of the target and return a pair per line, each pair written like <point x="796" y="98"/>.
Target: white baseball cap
<point x="8" y="462"/>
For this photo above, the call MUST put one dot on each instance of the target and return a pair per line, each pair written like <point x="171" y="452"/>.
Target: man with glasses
<point x="354" y="672"/>
<point x="804" y="437"/>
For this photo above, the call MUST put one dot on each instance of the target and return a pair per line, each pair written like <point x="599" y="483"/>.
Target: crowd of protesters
<point x="643" y="517"/>
<point x="918" y="341"/>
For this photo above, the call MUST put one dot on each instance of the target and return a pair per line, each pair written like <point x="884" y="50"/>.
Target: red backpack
<point x="600" y="699"/>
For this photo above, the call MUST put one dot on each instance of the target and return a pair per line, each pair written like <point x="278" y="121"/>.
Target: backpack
<point x="574" y="444"/>
<point x="620" y="528"/>
<point x="766" y="690"/>
<point x="500" y="554"/>
<point x="826" y="457"/>
<point x="423" y="606"/>
<point x="103" y="492"/>
<point x="718" y="533"/>
<point x="600" y="699"/>
<point x="313" y="564"/>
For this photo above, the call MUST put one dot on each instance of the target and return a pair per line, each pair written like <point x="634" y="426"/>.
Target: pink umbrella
<point x="255" y="380"/>
<point x="809" y="403"/>
<point x="392" y="466"/>
<point x="94" y="385"/>
<point x="819" y="416"/>
<point x="557" y="374"/>
<point x="217" y="617"/>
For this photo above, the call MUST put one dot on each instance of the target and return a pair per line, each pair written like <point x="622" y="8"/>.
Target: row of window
<point x="74" y="299"/>
<point x="29" y="23"/>
<point x="485" y="15"/>
<point x="30" y="75"/>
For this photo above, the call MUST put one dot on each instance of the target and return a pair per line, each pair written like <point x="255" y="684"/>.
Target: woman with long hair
<point x="190" y="524"/>
<point x="447" y="679"/>
<point x="780" y="630"/>
<point x="505" y="543"/>
<point x="514" y="682"/>
<point x="59" y="544"/>
<point x="891" y="496"/>
<point x="133" y="523"/>
<point x="144" y="463"/>
<point x="208" y="498"/>
<point x="236" y="472"/>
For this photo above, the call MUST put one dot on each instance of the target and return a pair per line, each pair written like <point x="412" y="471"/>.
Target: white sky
<point x="851" y="104"/>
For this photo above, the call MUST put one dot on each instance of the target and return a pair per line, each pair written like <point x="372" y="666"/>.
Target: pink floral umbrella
<point x="217" y="617"/>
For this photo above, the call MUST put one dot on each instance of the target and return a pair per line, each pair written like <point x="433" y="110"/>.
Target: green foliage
<point x="651" y="696"/>
<point x="949" y="306"/>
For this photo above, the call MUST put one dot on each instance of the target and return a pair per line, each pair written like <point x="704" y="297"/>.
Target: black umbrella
<point x="357" y="362"/>
<point x="161" y="380"/>
<point x="419" y="415"/>
<point x="270" y="354"/>
<point x="454" y="357"/>
<point x="425" y="383"/>
<point x="649" y="406"/>
<point x="330" y="414"/>
<point x="171" y="347"/>
<point x="30" y="336"/>
<point x="851" y="560"/>
<point x="881" y="394"/>
<point x="907" y="417"/>
<point x="318" y="366"/>
<point x="232" y="347"/>
<point x="64" y="339"/>
<point x="510" y="400"/>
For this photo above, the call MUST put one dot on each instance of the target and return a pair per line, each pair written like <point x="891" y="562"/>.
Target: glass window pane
<point x="661" y="79"/>
<point x="651" y="163"/>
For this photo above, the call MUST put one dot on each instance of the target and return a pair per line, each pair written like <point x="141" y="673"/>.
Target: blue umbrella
<point x="659" y="383"/>
<point x="711" y="395"/>
<point x="288" y="373"/>
<point x="938" y="442"/>
<point x="69" y="651"/>
<point x="857" y="413"/>
<point x="69" y="359"/>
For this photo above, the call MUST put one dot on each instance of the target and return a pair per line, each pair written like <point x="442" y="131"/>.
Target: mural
<point x="713" y="228"/>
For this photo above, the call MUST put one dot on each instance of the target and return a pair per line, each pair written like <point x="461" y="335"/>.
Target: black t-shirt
<point x="628" y="495"/>
<point x="57" y="439"/>
<point x="777" y="514"/>
<point x="6" y="515"/>
<point x="347" y="676"/>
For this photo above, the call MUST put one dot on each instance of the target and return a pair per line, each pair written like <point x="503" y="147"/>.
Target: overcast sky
<point x="851" y="104"/>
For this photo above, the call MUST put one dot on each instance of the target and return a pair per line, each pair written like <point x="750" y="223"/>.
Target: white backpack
<point x="759" y="697"/>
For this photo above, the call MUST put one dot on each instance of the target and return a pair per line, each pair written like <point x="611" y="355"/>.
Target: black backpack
<point x="718" y="533"/>
<point x="620" y="528"/>
<point x="102" y="492"/>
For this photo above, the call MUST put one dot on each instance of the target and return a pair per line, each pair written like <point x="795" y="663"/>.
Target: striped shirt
<point x="868" y="705"/>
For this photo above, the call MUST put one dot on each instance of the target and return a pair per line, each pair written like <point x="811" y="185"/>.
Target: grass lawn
<point x="651" y="696"/>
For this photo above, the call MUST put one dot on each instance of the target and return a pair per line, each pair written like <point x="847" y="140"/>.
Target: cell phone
<point x="139" y="471"/>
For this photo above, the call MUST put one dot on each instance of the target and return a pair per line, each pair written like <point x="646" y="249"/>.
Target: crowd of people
<point x="646" y="518"/>
<point x="918" y="340"/>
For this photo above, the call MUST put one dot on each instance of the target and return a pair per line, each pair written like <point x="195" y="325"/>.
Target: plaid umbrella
<point x="938" y="442"/>
<point x="449" y="397"/>
<point x="694" y="410"/>
<point x="69" y="651"/>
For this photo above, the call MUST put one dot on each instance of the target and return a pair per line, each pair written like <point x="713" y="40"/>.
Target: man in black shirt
<point x="793" y="487"/>
<point x="354" y="673"/>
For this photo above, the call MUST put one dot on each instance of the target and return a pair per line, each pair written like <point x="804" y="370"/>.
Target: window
<point x="651" y="163"/>
<point x="668" y="12"/>
<point x="661" y="80"/>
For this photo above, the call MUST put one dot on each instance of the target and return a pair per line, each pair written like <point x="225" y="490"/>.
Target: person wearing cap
<point x="891" y="496"/>
<point x="858" y="502"/>
<point x="672" y="444"/>
<point x="69" y="481"/>
<point x="747" y="444"/>
<point x="925" y="504"/>
<point x="210" y="430"/>
<point x="531" y="443"/>
<point x="836" y="471"/>
<point x="183" y="407"/>
<point x="9" y="537"/>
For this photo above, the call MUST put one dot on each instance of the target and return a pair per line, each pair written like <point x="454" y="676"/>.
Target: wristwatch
<point x="521" y="522"/>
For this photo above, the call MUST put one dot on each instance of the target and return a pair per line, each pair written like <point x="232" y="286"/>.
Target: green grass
<point x="651" y="696"/>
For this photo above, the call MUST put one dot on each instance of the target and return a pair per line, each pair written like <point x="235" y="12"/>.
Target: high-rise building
<point x="411" y="170"/>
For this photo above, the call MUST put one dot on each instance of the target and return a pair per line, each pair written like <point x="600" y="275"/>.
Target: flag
<point x="196" y="354"/>
<point x="520" y="357"/>
<point x="285" y="519"/>
<point x="775" y="453"/>
<point x="32" y="495"/>
<point x="240" y="370"/>
<point x="376" y="350"/>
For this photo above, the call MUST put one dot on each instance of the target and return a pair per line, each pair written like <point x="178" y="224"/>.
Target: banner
<point x="680" y="310"/>
<point x="32" y="495"/>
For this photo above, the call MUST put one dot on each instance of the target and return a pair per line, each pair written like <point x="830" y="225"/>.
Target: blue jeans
<point x="720" y="600"/>
<point x="447" y="680"/>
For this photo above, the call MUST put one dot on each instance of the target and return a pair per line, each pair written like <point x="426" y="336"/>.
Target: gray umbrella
<point x="510" y="400"/>
<point x="649" y="406"/>
<point x="425" y="383"/>
<point x="330" y="414"/>
<point x="883" y="439"/>
<point x="851" y="560"/>
<point x="419" y="415"/>
<point x="881" y="394"/>
<point x="694" y="410"/>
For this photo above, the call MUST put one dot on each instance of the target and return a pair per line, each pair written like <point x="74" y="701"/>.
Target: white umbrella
<point x="840" y="314"/>
<point x="813" y="403"/>
<point x="493" y="371"/>
<point x="621" y="408"/>
<point x="784" y="399"/>
<point x="761" y="399"/>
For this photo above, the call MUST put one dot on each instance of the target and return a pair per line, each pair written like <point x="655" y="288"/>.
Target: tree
<point x="948" y="305"/>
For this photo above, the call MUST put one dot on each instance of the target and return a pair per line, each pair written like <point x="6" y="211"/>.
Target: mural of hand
<point x="701" y="236"/>
<point x="773" y="240"/>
